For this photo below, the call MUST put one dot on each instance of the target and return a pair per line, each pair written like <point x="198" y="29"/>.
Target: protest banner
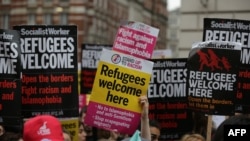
<point x="49" y="70"/>
<point x="167" y="98"/>
<point x="120" y="80"/>
<point x="71" y="125"/>
<point x="10" y="79"/>
<point x="136" y="39"/>
<point x="91" y="54"/>
<point x="212" y="77"/>
<point x="234" y="30"/>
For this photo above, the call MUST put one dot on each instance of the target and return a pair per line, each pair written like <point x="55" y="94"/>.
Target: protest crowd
<point x="119" y="92"/>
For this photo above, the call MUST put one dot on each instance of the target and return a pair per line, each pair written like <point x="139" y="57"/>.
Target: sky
<point x="172" y="4"/>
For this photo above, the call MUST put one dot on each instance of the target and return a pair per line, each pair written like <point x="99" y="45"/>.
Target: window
<point x="5" y="1"/>
<point x="32" y="2"/>
<point x="64" y="18"/>
<point x="48" y="19"/>
<point x="32" y="19"/>
<point x="5" y="21"/>
<point x="48" y="1"/>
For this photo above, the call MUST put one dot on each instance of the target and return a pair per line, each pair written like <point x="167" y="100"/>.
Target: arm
<point x="145" y="129"/>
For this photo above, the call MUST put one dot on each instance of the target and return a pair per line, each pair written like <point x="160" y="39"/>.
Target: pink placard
<point x="136" y="39"/>
<point x="111" y="118"/>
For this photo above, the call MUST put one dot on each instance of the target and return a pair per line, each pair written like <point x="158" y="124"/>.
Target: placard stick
<point x="209" y="128"/>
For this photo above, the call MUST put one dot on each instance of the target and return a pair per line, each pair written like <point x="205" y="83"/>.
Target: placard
<point x="234" y="30"/>
<point x="212" y="77"/>
<point x="136" y="39"/>
<point x="114" y="103"/>
<point x="49" y="70"/>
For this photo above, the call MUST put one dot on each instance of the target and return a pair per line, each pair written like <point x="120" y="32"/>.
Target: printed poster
<point x="10" y="79"/>
<point x="83" y="100"/>
<point x="212" y="77"/>
<point x="167" y="98"/>
<point x="49" y="70"/>
<point x="120" y="80"/>
<point x="71" y="125"/>
<point x="91" y="54"/>
<point x="136" y="39"/>
<point x="234" y="30"/>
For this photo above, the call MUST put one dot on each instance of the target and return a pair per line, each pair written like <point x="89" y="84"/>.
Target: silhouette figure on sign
<point x="214" y="60"/>
<point x="204" y="60"/>
<point x="225" y="63"/>
<point x="211" y="60"/>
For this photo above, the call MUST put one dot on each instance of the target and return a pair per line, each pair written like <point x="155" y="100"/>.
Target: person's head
<point x="81" y="133"/>
<point x="192" y="137"/>
<point x="66" y="135"/>
<point x="233" y="120"/>
<point x="154" y="130"/>
<point x="43" y="127"/>
<point x="82" y="114"/>
<point x="103" y="134"/>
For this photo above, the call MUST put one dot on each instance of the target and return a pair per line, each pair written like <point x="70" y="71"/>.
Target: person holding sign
<point x="154" y="129"/>
<point x="145" y="127"/>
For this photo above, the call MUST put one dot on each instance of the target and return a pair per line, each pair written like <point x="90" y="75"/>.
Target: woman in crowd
<point x="82" y="133"/>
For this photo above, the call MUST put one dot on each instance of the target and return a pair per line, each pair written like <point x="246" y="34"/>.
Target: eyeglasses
<point x="154" y="137"/>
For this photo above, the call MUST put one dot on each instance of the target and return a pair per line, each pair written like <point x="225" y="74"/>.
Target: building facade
<point x="97" y="20"/>
<point x="194" y="11"/>
<point x="173" y="31"/>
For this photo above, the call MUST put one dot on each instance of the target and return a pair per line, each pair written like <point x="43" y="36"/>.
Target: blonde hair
<point x="192" y="137"/>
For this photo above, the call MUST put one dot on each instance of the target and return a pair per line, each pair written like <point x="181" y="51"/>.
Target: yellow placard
<point x="118" y="85"/>
<point x="71" y="125"/>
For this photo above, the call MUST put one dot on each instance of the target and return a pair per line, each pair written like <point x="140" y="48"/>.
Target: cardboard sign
<point x="212" y="77"/>
<point x="10" y="79"/>
<point x="49" y="70"/>
<point x="136" y="39"/>
<point x="167" y="98"/>
<point x="91" y="54"/>
<point x="120" y="81"/>
<point x="71" y="125"/>
<point x="234" y="30"/>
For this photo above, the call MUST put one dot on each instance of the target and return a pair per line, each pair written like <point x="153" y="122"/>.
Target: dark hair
<point x="154" y="123"/>
<point x="80" y="123"/>
<point x="67" y="132"/>
<point x="11" y="136"/>
<point x="233" y="120"/>
<point x="83" y="110"/>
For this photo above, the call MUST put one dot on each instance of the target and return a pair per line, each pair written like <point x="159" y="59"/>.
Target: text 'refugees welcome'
<point x="119" y="84"/>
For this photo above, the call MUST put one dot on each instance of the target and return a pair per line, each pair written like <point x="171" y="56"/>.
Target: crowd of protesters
<point x="49" y="128"/>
